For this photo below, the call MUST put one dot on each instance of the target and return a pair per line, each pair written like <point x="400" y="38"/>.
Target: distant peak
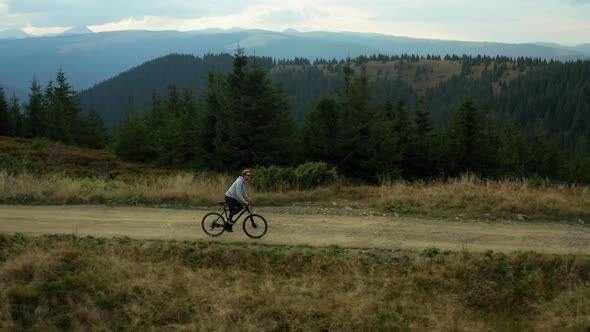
<point x="78" y="30"/>
<point x="13" y="33"/>
<point x="233" y="29"/>
<point x="290" y="31"/>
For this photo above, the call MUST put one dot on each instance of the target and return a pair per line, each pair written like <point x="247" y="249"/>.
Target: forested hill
<point x="137" y="85"/>
<point x="90" y="58"/>
<point x="553" y="95"/>
<point x="373" y="118"/>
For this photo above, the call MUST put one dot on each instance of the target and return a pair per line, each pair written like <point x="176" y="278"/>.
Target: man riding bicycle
<point x="236" y="197"/>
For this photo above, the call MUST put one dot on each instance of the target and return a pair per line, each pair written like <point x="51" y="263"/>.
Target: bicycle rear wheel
<point x="255" y="226"/>
<point x="213" y="224"/>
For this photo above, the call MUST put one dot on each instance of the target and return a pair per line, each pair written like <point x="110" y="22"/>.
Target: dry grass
<point x="472" y="196"/>
<point x="435" y="72"/>
<point x="44" y="172"/>
<point x="466" y="195"/>
<point x="570" y="311"/>
<point x="179" y="189"/>
<point x="70" y="283"/>
<point x="42" y="156"/>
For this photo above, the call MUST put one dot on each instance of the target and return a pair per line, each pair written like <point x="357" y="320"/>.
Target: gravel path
<point x="317" y="226"/>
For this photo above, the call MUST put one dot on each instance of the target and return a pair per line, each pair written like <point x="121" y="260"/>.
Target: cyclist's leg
<point x="234" y="207"/>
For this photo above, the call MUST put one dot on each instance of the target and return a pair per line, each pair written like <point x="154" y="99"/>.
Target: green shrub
<point x="305" y="176"/>
<point x="13" y="165"/>
<point x="273" y="178"/>
<point x="431" y="252"/>
<point x="315" y="174"/>
<point x="41" y="143"/>
<point x="536" y="181"/>
<point x="397" y="207"/>
<point x="19" y="237"/>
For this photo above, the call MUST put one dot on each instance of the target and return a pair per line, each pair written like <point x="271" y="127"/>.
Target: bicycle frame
<point x="225" y="212"/>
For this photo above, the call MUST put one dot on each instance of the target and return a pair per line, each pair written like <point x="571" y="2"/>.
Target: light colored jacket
<point x="237" y="190"/>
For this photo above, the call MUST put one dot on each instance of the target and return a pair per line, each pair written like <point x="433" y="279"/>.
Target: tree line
<point x="53" y="112"/>
<point x="243" y="119"/>
<point x="489" y="80"/>
<point x="391" y="141"/>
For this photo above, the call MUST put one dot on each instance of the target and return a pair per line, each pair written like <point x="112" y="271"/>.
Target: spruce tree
<point x="466" y="139"/>
<point x="56" y="121"/>
<point x="16" y="117"/>
<point x="512" y="151"/>
<point x="35" y="112"/>
<point x="131" y="137"/>
<point x="180" y="137"/>
<point x="579" y="167"/>
<point x="5" y="127"/>
<point x="270" y="129"/>
<point x="253" y="125"/>
<point x="66" y="104"/>
<point x="387" y="159"/>
<point x="190" y="150"/>
<point x="229" y="126"/>
<point x="423" y="163"/>
<point x="322" y="132"/>
<point x="167" y="129"/>
<point x="156" y="120"/>
<point x="208" y="121"/>
<point x="405" y="138"/>
<point x="94" y="134"/>
<point x="55" y="127"/>
<point x="544" y="157"/>
<point x="173" y="103"/>
<point x="356" y="114"/>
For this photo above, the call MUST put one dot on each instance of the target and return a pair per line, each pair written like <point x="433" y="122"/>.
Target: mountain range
<point x="89" y="58"/>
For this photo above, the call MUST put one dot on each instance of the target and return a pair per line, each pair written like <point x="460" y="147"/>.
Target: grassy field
<point x="466" y="196"/>
<point x="421" y="75"/>
<point x="64" y="282"/>
<point x="70" y="283"/>
<point x="42" y="156"/>
<point x="43" y="172"/>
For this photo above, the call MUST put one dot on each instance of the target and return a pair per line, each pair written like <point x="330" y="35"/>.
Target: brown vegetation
<point x="72" y="283"/>
<point x="434" y="72"/>
<point x="43" y="172"/>
<point x="42" y="156"/>
<point x="468" y="195"/>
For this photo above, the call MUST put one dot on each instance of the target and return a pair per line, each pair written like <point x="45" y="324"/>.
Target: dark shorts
<point x="234" y="206"/>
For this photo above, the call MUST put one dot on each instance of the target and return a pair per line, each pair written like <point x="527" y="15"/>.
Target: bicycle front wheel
<point x="255" y="226"/>
<point x="213" y="224"/>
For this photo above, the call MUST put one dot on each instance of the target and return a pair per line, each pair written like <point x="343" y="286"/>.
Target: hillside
<point x="113" y="96"/>
<point x="303" y="83"/>
<point x="492" y="116"/>
<point x="543" y="97"/>
<point x="583" y="48"/>
<point x="42" y="156"/>
<point x="13" y="34"/>
<point x="73" y="282"/>
<point x="90" y="58"/>
<point x="10" y="91"/>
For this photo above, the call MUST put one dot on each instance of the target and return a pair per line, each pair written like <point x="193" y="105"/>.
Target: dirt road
<point x="288" y="227"/>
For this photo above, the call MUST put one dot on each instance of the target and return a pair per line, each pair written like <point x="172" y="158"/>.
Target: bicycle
<point x="254" y="225"/>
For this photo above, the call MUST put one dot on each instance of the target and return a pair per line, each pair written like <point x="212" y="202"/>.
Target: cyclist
<point x="236" y="197"/>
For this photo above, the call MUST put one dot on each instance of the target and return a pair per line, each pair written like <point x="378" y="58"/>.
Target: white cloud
<point x="262" y="16"/>
<point x="43" y="31"/>
<point x="94" y="12"/>
<point x="283" y="17"/>
<point x="564" y="21"/>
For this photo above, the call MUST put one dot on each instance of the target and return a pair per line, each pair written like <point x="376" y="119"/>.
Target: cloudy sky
<point x="513" y="21"/>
